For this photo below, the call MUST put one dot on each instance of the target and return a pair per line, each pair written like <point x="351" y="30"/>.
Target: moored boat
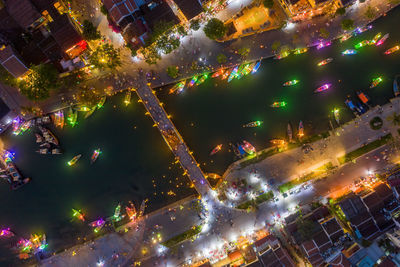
<point x="216" y="149"/>
<point x="178" y="88"/>
<point x="226" y="74"/>
<point x="336" y="115"/>
<point x="345" y="37"/>
<point x="392" y="50"/>
<point x="90" y="112"/>
<point x="127" y="98"/>
<point x="290" y="83"/>
<point x="360" y="30"/>
<point x="95" y="155"/>
<point x="323" y="44"/>
<point x="375" y="82"/>
<point x="58" y="119"/>
<point x="396" y="85"/>
<point x="233" y="73"/>
<point x="193" y="81"/>
<point x="375" y="39"/>
<point x="74" y="160"/>
<point x="361" y="44"/>
<point x="382" y="40"/>
<point x="249" y="148"/>
<point x="350" y="104"/>
<point x="323" y="88"/>
<point x="253" y="124"/>
<point x="349" y="52"/>
<point x="301" y="130"/>
<point x="218" y="73"/>
<point x="325" y="61"/>
<point x="363" y="97"/>
<point x="289" y="133"/>
<point x="299" y="51"/>
<point x="282" y="55"/>
<point x="39" y="138"/>
<point x="256" y="67"/>
<point x="278" y="104"/>
<point x="202" y="79"/>
<point x="72" y="116"/>
<point x="101" y="102"/>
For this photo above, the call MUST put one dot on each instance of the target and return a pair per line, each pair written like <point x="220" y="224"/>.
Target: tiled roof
<point x="331" y="226"/>
<point x="269" y="259"/>
<point x="64" y="32"/>
<point x="309" y="247"/>
<point x="373" y="201"/>
<point x="316" y="260"/>
<point x="352" y="206"/>
<point x="387" y="263"/>
<point x="190" y="8"/>
<point x="23" y="12"/>
<point x="340" y="261"/>
<point x="322" y="241"/>
<point x="384" y="191"/>
<point x="118" y="9"/>
<point x="11" y="62"/>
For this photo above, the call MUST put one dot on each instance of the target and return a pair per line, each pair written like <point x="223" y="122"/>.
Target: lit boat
<point x="349" y="52"/>
<point x="323" y="88"/>
<point x="301" y="130"/>
<point x="101" y="102"/>
<point x="278" y="142"/>
<point x="290" y="83"/>
<point x="248" y="148"/>
<point x="82" y="108"/>
<point x="98" y="224"/>
<point x="256" y="67"/>
<point x="299" y="51"/>
<point x="323" y="44"/>
<point x="78" y="214"/>
<point x="350" y="104"/>
<point x="253" y="124"/>
<point x="396" y="85"/>
<point x="289" y="133"/>
<point x="127" y="98"/>
<point x="239" y="72"/>
<point x="363" y="97"/>
<point x="90" y="112"/>
<point x="362" y="29"/>
<point x="361" y="44"/>
<point x="39" y="138"/>
<point x="131" y="211"/>
<point x="392" y="50"/>
<point x="336" y="115"/>
<point x="58" y="118"/>
<point x="248" y="69"/>
<point x="216" y="149"/>
<point x="226" y="74"/>
<point x="375" y="82"/>
<point x="202" y="79"/>
<point x="218" y="73"/>
<point x="6" y="233"/>
<point x="282" y="55"/>
<point x="278" y="104"/>
<point x="117" y="214"/>
<point x="345" y="37"/>
<point x="382" y="40"/>
<point x="375" y="39"/>
<point x="95" y="155"/>
<point x="74" y="160"/>
<point x="325" y="61"/>
<point x="72" y="117"/>
<point x="233" y="73"/>
<point x="193" y="81"/>
<point x="178" y="88"/>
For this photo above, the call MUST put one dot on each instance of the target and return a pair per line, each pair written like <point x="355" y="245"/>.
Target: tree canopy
<point x="215" y="29"/>
<point x="340" y="11"/>
<point x="173" y="71"/>
<point x="347" y="24"/>
<point x="268" y="3"/>
<point x="221" y="58"/>
<point x="323" y="32"/>
<point x="195" y="24"/>
<point x="6" y="77"/>
<point x="105" y="56"/>
<point x="39" y="81"/>
<point x="90" y="32"/>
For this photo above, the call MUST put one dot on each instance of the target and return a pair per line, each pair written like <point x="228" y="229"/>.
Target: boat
<point x="345" y="37"/>
<point x="253" y="124"/>
<point x="325" y="61"/>
<point x="101" y="102"/>
<point x="56" y="151"/>
<point x="249" y="68"/>
<point x="45" y="145"/>
<point x="392" y="50"/>
<point x="248" y="148"/>
<point x="216" y="149"/>
<point x="323" y="44"/>
<point x="289" y="133"/>
<point x="382" y="40"/>
<point x="218" y="73"/>
<point x="233" y="73"/>
<point x="375" y="39"/>
<point x="256" y="67"/>
<point x="6" y="233"/>
<point x="58" y="119"/>
<point x="131" y="211"/>
<point x="72" y="117"/>
<point x="299" y="51"/>
<point x="396" y="85"/>
<point x="95" y="155"/>
<point x="39" y="138"/>
<point x="375" y="82"/>
<point x="74" y="160"/>
<point x="193" y="81"/>
<point x="278" y="142"/>
<point x="278" y="104"/>
<point x="349" y="52"/>
<point x="202" y="79"/>
<point x="117" y="214"/>
<point x="226" y="74"/>
<point x="361" y="44"/>
<point x="43" y="151"/>
<point x="301" y="130"/>
<point x="323" y="88"/>
<point x="83" y="108"/>
<point x="282" y="55"/>
<point x="243" y="71"/>
<point x="48" y="136"/>
<point x="336" y="115"/>
<point x="178" y="88"/>
<point x="127" y="98"/>
<point x="360" y="108"/>
<point x="97" y="224"/>
<point x="290" y="83"/>
<point x="363" y="97"/>
<point x="90" y="112"/>
<point x="238" y="73"/>
<point x="78" y="214"/>
<point x="350" y="104"/>
<point x="360" y="30"/>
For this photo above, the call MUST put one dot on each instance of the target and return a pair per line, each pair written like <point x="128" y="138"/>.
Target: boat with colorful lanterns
<point x="178" y="88"/>
<point x="299" y="51"/>
<point x="253" y="124"/>
<point x="375" y="82"/>
<point x="95" y="155"/>
<point x="127" y="98"/>
<point x="324" y="62"/>
<point x="345" y="37"/>
<point x="282" y="55"/>
<point x="226" y="74"/>
<point x="361" y="44"/>
<point x="218" y="73"/>
<point x="131" y="211"/>
<point x="382" y="40"/>
<point x="392" y="50"/>
<point x="202" y="79"/>
<point x="6" y="232"/>
<point x="248" y="148"/>
<point x="58" y="119"/>
<point x="289" y="132"/>
<point x="256" y="67"/>
<point x="291" y="83"/>
<point x="233" y="73"/>
<point x="360" y="30"/>
<point x="248" y="69"/>
<point x="97" y="224"/>
<point x="216" y="149"/>
<point x="322" y="88"/>
<point x="72" y="117"/>
<point x="375" y="39"/>
<point x="193" y="81"/>
<point x="74" y="160"/>
<point x="278" y="104"/>
<point x="323" y="44"/>
<point x="301" y="130"/>
<point x="101" y="102"/>
<point x="336" y="115"/>
<point x="90" y="112"/>
<point x="349" y="52"/>
<point x="78" y="214"/>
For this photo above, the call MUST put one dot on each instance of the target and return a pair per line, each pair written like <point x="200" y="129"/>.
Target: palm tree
<point x="394" y="119"/>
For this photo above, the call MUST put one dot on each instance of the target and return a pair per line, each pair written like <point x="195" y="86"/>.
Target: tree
<point x="323" y="32"/>
<point x="268" y="3"/>
<point x="181" y="30"/>
<point x="72" y="79"/>
<point x="161" y="28"/>
<point x="340" y="11"/>
<point x="195" y="24"/>
<point x="394" y="119"/>
<point x="6" y="77"/>
<point x="221" y="58"/>
<point x="150" y="54"/>
<point x="104" y="10"/>
<point x="167" y="43"/>
<point x="305" y="228"/>
<point x="215" y="29"/>
<point x="244" y="52"/>
<point x="39" y="81"/>
<point x="90" y="32"/>
<point x="105" y="56"/>
<point x="347" y="24"/>
<point x="275" y="46"/>
<point x="173" y="71"/>
<point x="370" y="13"/>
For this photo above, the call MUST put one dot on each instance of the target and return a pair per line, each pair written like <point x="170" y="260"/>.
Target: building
<point x="34" y="32"/>
<point x="298" y="10"/>
<point x="270" y="253"/>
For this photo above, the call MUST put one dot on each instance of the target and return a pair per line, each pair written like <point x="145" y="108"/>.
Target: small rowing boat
<point x="325" y="61"/>
<point x="323" y="44"/>
<point x="127" y="98"/>
<point x="253" y="124"/>
<point x="202" y="79"/>
<point x="248" y="148"/>
<point x="256" y="67"/>
<point x="392" y="50"/>
<point x="78" y="214"/>
<point x="336" y="115"/>
<point x="90" y="112"/>
<point x="278" y="104"/>
<point x="349" y="52"/>
<point x="95" y="155"/>
<point x="375" y="82"/>
<point x="216" y="149"/>
<point x="301" y="130"/>
<point x="289" y="133"/>
<point x="233" y="73"/>
<point x="74" y="160"/>
<point x="363" y="97"/>
<point x="101" y="102"/>
<point x="323" y="88"/>
<point x="382" y="40"/>
<point x="299" y="51"/>
<point x="290" y="83"/>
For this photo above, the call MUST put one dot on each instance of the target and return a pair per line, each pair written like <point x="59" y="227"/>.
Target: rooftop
<point x="23" y="12"/>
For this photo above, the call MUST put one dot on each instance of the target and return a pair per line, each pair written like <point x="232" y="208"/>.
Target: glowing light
<point x="74" y="160"/>
<point x="325" y="61"/>
<point x="322" y="88"/>
<point x="278" y="104"/>
<point x="376" y="81"/>
<point x="290" y="83"/>
<point x="78" y="214"/>
<point x="323" y="44"/>
<point x="349" y="52"/>
<point x="392" y="50"/>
